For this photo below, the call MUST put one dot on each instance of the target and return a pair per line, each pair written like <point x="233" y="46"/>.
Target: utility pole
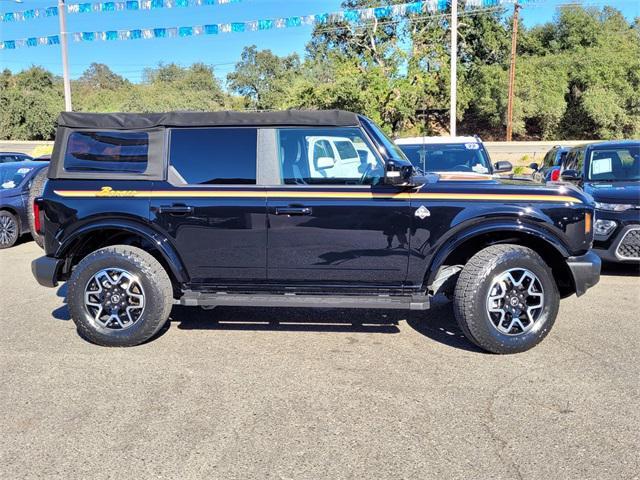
<point x="62" y="14"/>
<point x="454" y="67"/>
<point x="512" y="71"/>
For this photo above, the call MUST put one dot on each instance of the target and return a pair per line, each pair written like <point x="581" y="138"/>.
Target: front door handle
<point x="293" y="211"/>
<point x="175" y="209"/>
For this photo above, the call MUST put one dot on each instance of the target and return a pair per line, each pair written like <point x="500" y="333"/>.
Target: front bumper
<point x="585" y="270"/>
<point x="46" y="269"/>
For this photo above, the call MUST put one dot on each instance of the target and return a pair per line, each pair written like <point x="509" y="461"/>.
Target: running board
<point x="400" y="302"/>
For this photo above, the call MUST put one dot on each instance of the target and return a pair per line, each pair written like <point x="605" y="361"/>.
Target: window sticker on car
<point x="9" y="184"/>
<point x="23" y="171"/>
<point x="471" y="146"/>
<point x="601" y="165"/>
<point x="479" y="168"/>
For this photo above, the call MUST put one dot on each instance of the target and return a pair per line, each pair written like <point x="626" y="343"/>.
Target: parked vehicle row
<point x="610" y="173"/>
<point x="298" y="208"/>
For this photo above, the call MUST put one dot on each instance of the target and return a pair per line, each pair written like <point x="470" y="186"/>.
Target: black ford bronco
<point x="296" y="208"/>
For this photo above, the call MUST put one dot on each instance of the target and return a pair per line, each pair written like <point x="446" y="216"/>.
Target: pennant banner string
<point x="115" y="6"/>
<point x="350" y="16"/>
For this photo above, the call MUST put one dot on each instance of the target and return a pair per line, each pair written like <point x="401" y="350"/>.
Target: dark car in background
<point x="15" y="183"/>
<point x="610" y="172"/>
<point x="551" y="166"/>
<point x="450" y="154"/>
<point x="7" y="157"/>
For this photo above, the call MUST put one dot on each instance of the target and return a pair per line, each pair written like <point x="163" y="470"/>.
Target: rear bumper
<point x="46" y="269"/>
<point x="585" y="270"/>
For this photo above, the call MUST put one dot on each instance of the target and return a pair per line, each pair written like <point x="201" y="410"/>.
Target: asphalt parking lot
<point x="290" y="394"/>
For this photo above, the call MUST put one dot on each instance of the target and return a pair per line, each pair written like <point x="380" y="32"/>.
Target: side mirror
<point x="502" y="166"/>
<point x="397" y="174"/>
<point x="534" y="166"/>
<point x="324" y="162"/>
<point x="573" y="176"/>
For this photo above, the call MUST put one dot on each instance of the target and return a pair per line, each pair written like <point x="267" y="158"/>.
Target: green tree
<point x="263" y="77"/>
<point x="100" y="76"/>
<point x="29" y="104"/>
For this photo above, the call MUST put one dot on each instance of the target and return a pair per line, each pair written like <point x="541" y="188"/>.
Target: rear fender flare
<point x="163" y="245"/>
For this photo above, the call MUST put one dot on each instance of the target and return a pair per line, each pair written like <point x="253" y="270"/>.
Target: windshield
<point x="12" y="175"/>
<point x="614" y="164"/>
<point x="391" y="149"/>
<point x="448" y="157"/>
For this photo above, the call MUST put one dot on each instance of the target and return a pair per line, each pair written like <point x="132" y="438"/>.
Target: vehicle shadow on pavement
<point x="437" y="324"/>
<point x="621" y="269"/>
<point x="62" y="312"/>
<point x="286" y="319"/>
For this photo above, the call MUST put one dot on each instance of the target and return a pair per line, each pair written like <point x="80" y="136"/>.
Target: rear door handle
<point x="293" y="211"/>
<point x="175" y="209"/>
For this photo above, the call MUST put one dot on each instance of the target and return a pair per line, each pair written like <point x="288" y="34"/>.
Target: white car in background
<point x="337" y="157"/>
<point x="450" y="154"/>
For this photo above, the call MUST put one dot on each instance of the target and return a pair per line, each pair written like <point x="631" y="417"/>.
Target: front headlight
<point x="613" y="207"/>
<point x="603" y="227"/>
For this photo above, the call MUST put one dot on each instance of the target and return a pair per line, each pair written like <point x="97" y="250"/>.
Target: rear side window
<point x="107" y="151"/>
<point x="214" y="156"/>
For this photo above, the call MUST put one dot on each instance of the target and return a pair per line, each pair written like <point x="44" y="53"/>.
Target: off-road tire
<point x="472" y="288"/>
<point x="35" y="191"/>
<point x="6" y="216"/>
<point x="154" y="280"/>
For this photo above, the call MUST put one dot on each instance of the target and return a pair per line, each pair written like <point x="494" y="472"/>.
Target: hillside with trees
<point x="578" y="77"/>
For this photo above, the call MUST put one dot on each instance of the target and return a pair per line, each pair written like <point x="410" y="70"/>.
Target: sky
<point x="129" y="57"/>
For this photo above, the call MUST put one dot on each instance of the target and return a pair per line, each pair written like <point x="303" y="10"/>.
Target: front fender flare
<point x="502" y="225"/>
<point x="163" y="245"/>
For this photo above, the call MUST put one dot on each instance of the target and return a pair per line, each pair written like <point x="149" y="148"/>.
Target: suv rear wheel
<point x="506" y="299"/>
<point x="119" y="296"/>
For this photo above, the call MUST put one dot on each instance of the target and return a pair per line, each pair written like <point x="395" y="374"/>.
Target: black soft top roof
<point x="126" y="121"/>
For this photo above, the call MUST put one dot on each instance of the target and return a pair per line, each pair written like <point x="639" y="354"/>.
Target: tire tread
<point x="150" y="268"/>
<point x="472" y="277"/>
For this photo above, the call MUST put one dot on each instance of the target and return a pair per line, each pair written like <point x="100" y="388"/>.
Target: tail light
<point x="37" y="220"/>
<point x="555" y="174"/>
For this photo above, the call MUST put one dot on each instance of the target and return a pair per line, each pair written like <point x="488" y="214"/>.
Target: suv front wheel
<point x="506" y="299"/>
<point x="119" y="296"/>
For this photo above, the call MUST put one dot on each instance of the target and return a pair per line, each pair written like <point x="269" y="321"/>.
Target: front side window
<point x="611" y="164"/>
<point x="107" y="151"/>
<point x="448" y="157"/>
<point x="340" y="156"/>
<point x="214" y="156"/>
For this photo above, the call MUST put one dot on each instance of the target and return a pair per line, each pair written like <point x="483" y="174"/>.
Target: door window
<point x="338" y="156"/>
<point x="213" y="156"/>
